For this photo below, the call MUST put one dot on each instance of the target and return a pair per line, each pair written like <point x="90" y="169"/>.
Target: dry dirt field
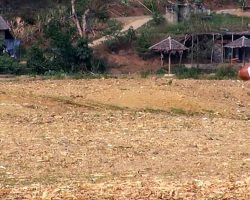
<point x="126" y="138"/>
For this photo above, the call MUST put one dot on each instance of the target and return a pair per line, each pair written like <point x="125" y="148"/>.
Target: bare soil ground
<point x="126" y="138"/>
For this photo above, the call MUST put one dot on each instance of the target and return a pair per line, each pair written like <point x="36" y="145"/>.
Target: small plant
<point x="114" y="28"/>
<point x="161" y="71"/>
<point x="36" y="60"/>
<point x="143" y="41"/>
<point x="185" y="73"/>
<point x="158" y="18"/>
<point x="8" y="64"/>
<point x="145" y="74"/>
<point x="178" y="111"/>
<point x="225" y="72"/>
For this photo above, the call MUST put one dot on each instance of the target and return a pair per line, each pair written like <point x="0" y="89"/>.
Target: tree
<point x="242" y="4"/>
<point x="81" y="27"/>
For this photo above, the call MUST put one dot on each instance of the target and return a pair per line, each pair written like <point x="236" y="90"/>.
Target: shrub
<point x="185" y="73"/>
<point x="225" y="72"/>
<point x="8" y="64"/>
<point x="123" y="40"/>
<point x="83" y="55"/>
<point x="36" y="60"/>
<point x="161" y="71"/>
<point x="143" y="41"/>
<point x="158" y="18"/>
<point x="145" y="74"/>
<point x="114" y="28"/>
<point x="99" y="65"/>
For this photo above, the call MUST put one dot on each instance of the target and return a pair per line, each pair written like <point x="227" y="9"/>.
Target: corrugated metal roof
<point x="3" y="24"/>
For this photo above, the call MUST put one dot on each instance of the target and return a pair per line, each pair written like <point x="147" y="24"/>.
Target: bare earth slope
<point x="124" y="139"/>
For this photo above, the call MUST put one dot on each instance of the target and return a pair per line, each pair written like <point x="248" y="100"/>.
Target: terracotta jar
<point x="244" y="73"/>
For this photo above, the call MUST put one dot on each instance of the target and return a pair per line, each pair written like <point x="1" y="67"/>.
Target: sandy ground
<point x="129" y="138"/>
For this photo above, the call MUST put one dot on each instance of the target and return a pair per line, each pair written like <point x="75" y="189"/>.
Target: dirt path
<point x="134" y="22"/>
<point x="124" y="139"/>
<point x="237" y="12"/>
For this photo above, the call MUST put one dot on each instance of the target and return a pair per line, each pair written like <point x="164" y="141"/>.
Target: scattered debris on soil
<point x="126" y="138"/>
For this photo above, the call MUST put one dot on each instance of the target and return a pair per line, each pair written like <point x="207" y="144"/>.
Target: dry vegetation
<point x="124" y="139"/>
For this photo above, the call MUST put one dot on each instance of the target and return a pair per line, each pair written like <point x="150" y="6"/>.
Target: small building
<point x="6" y="37"/>
<point x="178" y="12"/>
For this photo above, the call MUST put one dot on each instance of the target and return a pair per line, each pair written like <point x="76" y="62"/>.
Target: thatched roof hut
<point x="239" y="43"/>
<point x="168" y="45"/>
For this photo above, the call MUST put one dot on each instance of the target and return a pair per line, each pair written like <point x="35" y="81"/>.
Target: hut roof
<point x="168" y="44"/>
<point x="239" y="43"/>
<point x="3" y="24"/>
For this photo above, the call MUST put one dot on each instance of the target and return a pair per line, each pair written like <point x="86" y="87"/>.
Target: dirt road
<point x="127" y="138"/>
<point x="237" y="12"/>
<point x="134" y="22"/>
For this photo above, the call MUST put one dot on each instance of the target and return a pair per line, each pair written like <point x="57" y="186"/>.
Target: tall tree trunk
<point x="84" y="22"/>
<point x="75" y="18"/>
<point x="81" y="27"/>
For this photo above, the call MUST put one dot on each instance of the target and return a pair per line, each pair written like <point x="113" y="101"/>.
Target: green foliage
<point x="99" y="65"/>
<point x="182" y="72"/>
<point x="114" y="28"/>
<point x="242" y="3"/>
<point x="144" y="41"/>
<point x="83" y="54"/>
<point x="225" y="72"/>
<point x="151" y="4"/>
<point x="8" y="64"/>
<point x="158" y="18"/>
<point x="146" y="74"/>
<point x="60" y="35"/>
<point x="161" y="71"/>
<point x="36" y="60"/>
<point x="121" y="40"/>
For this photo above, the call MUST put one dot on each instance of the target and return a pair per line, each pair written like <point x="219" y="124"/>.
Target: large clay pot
<point x="244" y="73"/>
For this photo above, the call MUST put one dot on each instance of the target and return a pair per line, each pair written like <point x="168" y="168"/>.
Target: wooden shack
<point x="5" y="33"/>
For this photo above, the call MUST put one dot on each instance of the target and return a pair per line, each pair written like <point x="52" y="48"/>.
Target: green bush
<point x="121" y="41"/>
<point x="226" y="72"/>
<point x="8" y="64"/>
<point x="186" y="73"/>
<point x="37" y="61"/>
<point x="146" y="74"/>
<point x="114" y="28"/>
<point x="161" y="71"/>
<point x="83" y="55"/>
<point x="99" y="65"/>
<point x="143" y="41"/>
<point x="158" y="18"/>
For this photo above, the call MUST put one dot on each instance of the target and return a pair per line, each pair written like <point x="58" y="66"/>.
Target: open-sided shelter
<point x="168" y="46"/>
<point x="241" y="43"/>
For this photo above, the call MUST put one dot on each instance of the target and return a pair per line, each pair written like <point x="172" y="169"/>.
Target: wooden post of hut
<point x="212" y="51"/>
<point x="222" y="48"/>
<point x="232" y="51"/>
<point x="162" y="59"/>
<point x="169" y="62"/>
<point x="192" y="51"/>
